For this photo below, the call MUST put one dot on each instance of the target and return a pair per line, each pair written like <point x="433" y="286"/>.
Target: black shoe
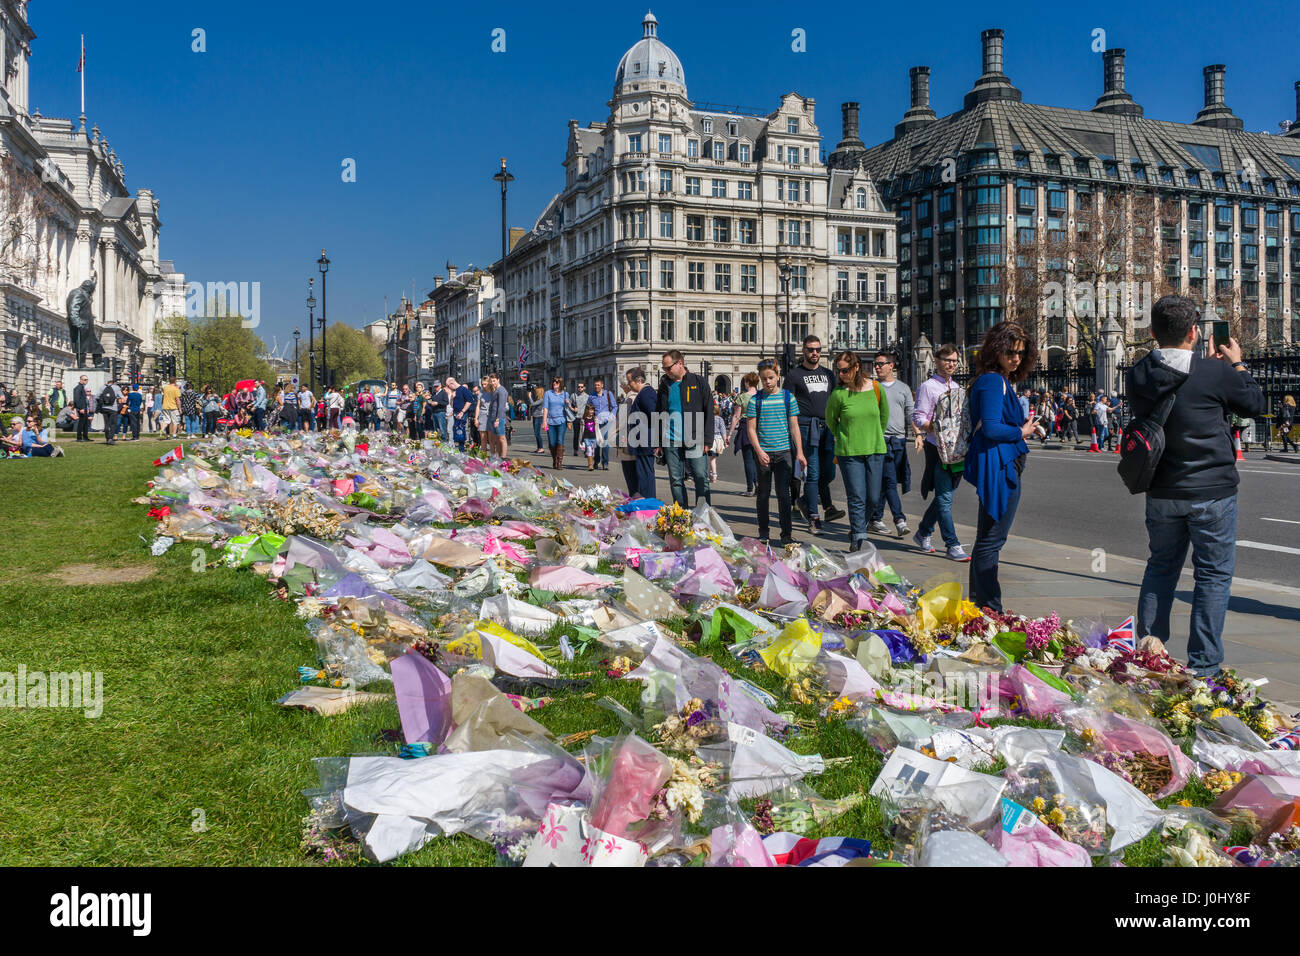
<point x="834" y="514"/>
<point x="814" y="525"/>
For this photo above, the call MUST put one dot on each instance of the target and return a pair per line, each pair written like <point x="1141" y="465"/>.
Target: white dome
<point x="649" y="60"/>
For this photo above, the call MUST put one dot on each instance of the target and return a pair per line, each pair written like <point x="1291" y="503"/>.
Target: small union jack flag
<point x="1123" y="637"/>
<point x="1287" y="741"/>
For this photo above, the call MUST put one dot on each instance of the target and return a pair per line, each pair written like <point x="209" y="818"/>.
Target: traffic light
<point x="115" y="369"/>
<point x="787" y="358"/>
<point x="708" y="370"/>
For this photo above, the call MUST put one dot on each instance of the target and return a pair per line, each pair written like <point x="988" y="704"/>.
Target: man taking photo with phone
<point x="1192" y="497"/>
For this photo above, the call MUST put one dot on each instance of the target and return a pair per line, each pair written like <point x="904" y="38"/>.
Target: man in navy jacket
<point x="1193" y="495"/>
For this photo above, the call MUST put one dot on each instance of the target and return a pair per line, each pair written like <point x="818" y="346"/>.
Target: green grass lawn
<point x="192" y="664"/>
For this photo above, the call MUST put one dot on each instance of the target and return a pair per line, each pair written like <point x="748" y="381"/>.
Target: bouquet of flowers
<point x="673" y="521"/>
<point x="595" y="501"/>
<point x="1181" y="709"/>
<point x="684" y="790"/>
<point x="797" y="809"/>
<point x="686" y="731"/>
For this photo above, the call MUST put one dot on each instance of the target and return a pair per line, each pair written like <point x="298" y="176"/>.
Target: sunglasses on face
<point x="1017" y="353"/>
<point x="879" y="364"/>
<point x="812" y="348"/>
<point x="843" y="370"/>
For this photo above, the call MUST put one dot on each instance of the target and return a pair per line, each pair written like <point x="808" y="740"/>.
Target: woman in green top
<point x="857" y="413"/>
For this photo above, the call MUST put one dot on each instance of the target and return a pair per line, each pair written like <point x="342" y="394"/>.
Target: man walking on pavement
<point x="1192" y="498"/>
<point x="810" y="383"/>
<point x="896" y="471"/>
<point x="580" y="399"/>
<point x="686" y="399"/>
<point x="943" y="479"/>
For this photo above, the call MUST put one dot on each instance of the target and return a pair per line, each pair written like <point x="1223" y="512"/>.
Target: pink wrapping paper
<point x="637" y="773"/>
<point x="1038" y="846"/>
<point x="564" y="580"/>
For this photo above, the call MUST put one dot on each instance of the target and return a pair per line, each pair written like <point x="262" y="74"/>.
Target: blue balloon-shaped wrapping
<point x="350" y="585"/>
<point x="900" y="648"/>
<point x="640" y="504"/>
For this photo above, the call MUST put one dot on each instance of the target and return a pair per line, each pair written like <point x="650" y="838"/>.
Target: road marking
<point x="1280" y="520"/>
<point x="1267" y="547"/>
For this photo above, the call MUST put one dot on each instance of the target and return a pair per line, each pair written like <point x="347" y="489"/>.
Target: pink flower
<point x="553" y="836"/>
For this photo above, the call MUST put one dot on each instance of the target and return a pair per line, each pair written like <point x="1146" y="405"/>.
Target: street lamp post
<point x="504" y="178"/>
<point x="324" y="265"/>
<point x="199" y="350"/>
<point x="786" y="270"/>
<point x="297" y="371"/>
<point x="311" y="335"/>
<point x="185" y="355"/>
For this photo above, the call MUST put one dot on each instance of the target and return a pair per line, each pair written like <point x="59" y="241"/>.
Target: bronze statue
<point x="81" y="323"/>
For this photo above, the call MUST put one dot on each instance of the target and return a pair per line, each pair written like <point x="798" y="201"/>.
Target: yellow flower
<point x="1057" y="816"/>
<point x="1039" y="805"/>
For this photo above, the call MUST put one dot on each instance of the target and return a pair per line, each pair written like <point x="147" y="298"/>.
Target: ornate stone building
<point x="1001" y="195"/>
<point x="69" y="214"/>
<point x="717" y="232"/>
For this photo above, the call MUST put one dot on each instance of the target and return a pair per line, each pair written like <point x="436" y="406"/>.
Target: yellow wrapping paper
<point x="471" y="644"/>
<point x="794" y="649"/>
<point x="940" y="607"/>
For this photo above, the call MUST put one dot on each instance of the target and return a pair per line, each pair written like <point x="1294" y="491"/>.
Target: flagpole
<point x="82" y="71"/>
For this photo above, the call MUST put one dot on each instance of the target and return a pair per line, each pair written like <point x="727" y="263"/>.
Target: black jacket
<point x="1199" y="463"/>
<point x="79" y="398"/>
<point x="696" y="399"/>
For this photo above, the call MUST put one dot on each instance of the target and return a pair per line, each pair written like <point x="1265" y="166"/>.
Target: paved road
<point x="1077" y="499"/>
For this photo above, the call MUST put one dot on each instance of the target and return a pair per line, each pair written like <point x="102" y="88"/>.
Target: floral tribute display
<point x="571" y="678"/>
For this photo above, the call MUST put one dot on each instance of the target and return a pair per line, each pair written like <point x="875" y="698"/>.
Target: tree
<point x="230" y="351"/>
<point x="169" y="334"/>
<point x="351" y="354"/>
<point x="28" y="214"/>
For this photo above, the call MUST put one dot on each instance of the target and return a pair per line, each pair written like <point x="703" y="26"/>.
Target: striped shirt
<point x="773" y="411"/>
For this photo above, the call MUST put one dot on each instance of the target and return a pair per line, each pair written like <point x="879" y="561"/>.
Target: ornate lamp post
<point x="785" y="270"/>
<point x="199" y="350"/>
<point x="505" y="179"/>
<point x="324" y="265"/>
<point x="311" y="336"/>
<point x="297" y="371"/>
<point x="185" y="354"/>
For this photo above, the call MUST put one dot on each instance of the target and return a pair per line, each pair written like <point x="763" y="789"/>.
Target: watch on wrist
<point x="1240" y="365"/>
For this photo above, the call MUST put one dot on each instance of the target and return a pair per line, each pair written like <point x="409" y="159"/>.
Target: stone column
<point x="922" y="361"/>
<point x="1110" y="353"/>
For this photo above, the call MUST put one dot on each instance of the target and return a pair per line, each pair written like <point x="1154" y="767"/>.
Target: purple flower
<point x="695" y="717"/>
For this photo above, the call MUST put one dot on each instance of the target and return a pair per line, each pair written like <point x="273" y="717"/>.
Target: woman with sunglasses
<point x="995" y="463"/>
<point x="856" y="414"/>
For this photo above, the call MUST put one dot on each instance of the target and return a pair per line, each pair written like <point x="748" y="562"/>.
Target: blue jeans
<point x="985" y="591"/>
<point x="861" y="475"/>
<point x="192" y="425"/>
<point x="555" y="433"/>
<point x="819" y="450"/>
<point x="537" y="432"/>
<point x="1210" y="527"/>
<point x="895" y="459"/>
<point x="940" y="510"/>
<point x="751" y="467"/>
<point x="679" y="458"/>
<point x="640" y="476"/>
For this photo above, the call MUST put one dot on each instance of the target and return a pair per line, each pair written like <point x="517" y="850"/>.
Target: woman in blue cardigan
<point x="996" y="459"/>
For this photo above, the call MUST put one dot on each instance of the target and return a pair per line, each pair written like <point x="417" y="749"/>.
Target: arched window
<point x="862" y="198"/>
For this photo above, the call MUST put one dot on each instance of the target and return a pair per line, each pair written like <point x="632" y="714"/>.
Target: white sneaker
<point x="877" y="527"/>
<point x="901" y="527"/>
<point x="956" y="553"/>
<point x="922" y="541"/>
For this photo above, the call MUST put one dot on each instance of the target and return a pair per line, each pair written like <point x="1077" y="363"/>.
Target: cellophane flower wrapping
<point x="630" y="774"/>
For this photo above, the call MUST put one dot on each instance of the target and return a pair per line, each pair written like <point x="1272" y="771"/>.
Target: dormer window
<point x="708" y="126"/>
<point x="693" y="148"/>
<point x="861" y="198"/>
<point x="732" y="128"/>
<point x="719" y="150"/>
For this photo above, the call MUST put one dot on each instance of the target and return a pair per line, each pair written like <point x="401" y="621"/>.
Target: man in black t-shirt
<point x="810" y="383"/>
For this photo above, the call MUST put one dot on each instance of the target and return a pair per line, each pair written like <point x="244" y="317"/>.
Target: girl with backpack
<point x="772" y="419"/>
<point x="856" y="414"/>
<point x="995" y="463"/>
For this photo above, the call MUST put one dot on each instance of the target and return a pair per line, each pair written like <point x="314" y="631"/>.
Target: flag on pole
<point x="176" y="454"/>
<point x="81" y="64"/>
<point x="523" y="355"/>
<point x="1123" y="637"/>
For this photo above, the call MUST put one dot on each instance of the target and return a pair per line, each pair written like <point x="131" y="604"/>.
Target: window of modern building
<point x="1026" y="196"/>
<point x="1022" y="159"/>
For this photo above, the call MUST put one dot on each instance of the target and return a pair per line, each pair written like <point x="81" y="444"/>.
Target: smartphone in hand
<point x="1221" y="333"/>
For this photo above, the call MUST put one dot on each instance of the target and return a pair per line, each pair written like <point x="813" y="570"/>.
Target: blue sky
<point x="243" y="144"/>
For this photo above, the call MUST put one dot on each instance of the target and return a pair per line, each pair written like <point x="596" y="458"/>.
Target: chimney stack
<point x="437" y="281"/>
<point x="451" y="272"/>
<point x="1114" y="98"/>
<point x="919" y="113"/>
<point x="993" y="84"/>
<point x="1216" y="112"/>
<point x="851" y="148"/>
<point x="849" y="111"/>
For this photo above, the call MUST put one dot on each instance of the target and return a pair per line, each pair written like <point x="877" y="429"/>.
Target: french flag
<point x="1123" y="637"/>
<point x="176" y="454"/>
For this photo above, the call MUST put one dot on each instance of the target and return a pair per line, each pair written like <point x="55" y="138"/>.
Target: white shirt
<point x="305" y="398"/>
<point x="1178" y="359"/>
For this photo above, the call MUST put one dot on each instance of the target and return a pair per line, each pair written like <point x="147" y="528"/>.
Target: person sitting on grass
<point x="36" y="441"/>
<point x="12" y="443"/>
